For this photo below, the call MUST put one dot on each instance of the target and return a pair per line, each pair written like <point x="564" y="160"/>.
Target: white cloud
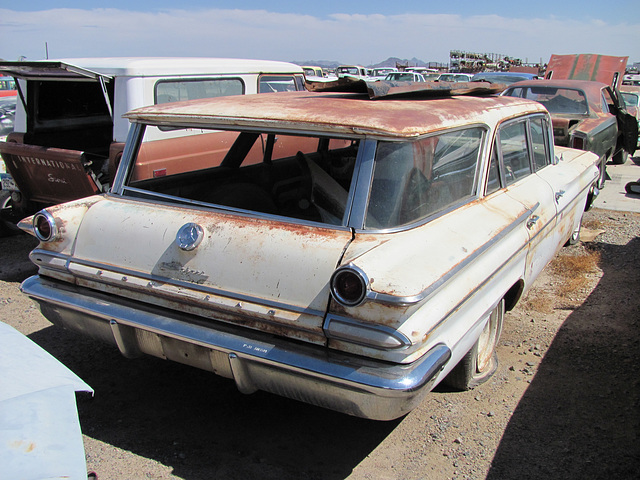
<point x="267" y="35"/>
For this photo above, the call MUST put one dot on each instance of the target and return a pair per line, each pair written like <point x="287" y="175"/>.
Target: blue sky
<point x="364" y="32"/>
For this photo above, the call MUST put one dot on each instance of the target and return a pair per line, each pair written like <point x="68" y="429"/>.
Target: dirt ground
<point x="564" y="403"/>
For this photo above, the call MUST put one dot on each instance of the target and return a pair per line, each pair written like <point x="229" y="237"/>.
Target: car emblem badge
<point x="189" y="236"/>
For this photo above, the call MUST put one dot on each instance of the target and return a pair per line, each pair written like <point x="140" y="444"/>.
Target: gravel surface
<point x="563" y="403"/>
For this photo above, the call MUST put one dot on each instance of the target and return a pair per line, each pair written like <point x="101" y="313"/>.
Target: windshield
<point x="300" y="177"/>
<point x="508" y="79"/>
<point x="630" y="99"/>
<point x="348" y="70"/>
<point x="556" y="100"/>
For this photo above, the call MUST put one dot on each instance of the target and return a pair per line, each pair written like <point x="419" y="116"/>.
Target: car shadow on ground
<point x="15" y="246"/>
<point x="580" y="417"/>
<point x="201" y="425"/>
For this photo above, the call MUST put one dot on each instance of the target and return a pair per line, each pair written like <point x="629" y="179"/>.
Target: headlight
<point x="349" y="286"/>
<point x="44" y="226"/>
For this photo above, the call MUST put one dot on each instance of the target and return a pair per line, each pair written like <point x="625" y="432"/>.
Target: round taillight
<point x="349" y="287"/>
<point x="44" y="226"/>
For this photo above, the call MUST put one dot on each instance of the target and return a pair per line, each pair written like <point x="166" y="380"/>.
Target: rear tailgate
<point x="48" y="175"/>
<point x="261" y="273"/>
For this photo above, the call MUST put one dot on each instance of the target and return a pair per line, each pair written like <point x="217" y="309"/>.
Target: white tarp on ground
<point x="40" y="434"/>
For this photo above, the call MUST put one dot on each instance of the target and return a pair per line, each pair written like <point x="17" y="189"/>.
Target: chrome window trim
<point x="131" y="147"/>
<point x="152" y="198"/>
<point x="361" y="184"/>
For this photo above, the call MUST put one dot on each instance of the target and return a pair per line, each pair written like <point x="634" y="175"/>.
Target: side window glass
<point x="605" y="105"/>
<point x="537" y="129"/>
<point x="176" y="90"/>
<point x="515" y="155"/>
<point x="610" y="104"/>
<point x="412" y="180"/>
<point x="493" y="181"/>
<point x="276" y="83"/>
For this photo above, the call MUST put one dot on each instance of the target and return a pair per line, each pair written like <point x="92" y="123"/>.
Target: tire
<point x="481" y="362"/>
<point x="5" y="199"/>
<point x="633" y="187"/>
<point x="620" y="158"/>
<point x="575" y="235"/>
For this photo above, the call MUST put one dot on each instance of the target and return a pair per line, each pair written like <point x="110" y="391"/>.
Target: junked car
<point x="354" y="266"/>
<point x="631" y="80"/>
<point x="404" y="77"/>
<point x="381" y="72"/>
<point x="352" y="71"/>
<point x="586" y="115"/>
<point x="69" y="132"/>
<point x="454" y="77"/>
<point x="311" y="71"/>
<point x="506" y="78"/>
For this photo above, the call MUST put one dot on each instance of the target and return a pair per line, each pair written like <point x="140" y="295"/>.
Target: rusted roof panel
<point x="383" y="89"/>
<point x="600" y="68"/>
<point x="335" y="113"/>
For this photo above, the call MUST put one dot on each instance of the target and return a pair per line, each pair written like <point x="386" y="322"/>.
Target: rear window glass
<point x="300" y="177"/>
<point x="556" y="100"/>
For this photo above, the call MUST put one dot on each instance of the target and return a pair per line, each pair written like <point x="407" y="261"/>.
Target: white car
<point x="345" y="252"/>
<point x="69" y="132"/>
<point x="454" y="77"/>
<point x="404" y="77"/>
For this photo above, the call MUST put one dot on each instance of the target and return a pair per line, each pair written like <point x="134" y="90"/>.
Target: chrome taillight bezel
<point x="337" y="283"/>
<point x="578" y="141"/>
<point x="45" y="218"/>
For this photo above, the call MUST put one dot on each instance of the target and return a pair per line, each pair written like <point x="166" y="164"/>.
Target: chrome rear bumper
<point x="312" y="374"/>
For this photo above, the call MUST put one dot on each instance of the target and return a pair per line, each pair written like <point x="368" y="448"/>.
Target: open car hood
<point x="599" y="68"/>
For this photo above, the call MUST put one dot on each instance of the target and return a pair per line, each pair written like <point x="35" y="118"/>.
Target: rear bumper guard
<point x="346" y="383"/>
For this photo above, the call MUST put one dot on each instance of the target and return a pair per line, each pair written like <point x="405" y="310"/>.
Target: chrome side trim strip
<point x="412" y="300"/>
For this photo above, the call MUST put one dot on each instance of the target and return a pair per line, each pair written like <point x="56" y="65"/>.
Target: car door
<point x="513" y="149"/>
<point x="627" y="123"/>
<point x="568" y="191"/>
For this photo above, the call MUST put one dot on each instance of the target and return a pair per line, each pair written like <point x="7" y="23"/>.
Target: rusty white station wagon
<point x="340" y="250"/>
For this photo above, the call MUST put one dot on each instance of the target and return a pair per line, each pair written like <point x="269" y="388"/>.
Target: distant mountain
<point x="318" y="63"/>
<point x="389" y="62"/>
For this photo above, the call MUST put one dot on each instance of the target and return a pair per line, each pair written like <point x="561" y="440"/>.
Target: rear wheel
<point x="575" y="235"/>
<point x="481" y="362"/>
<point x="5" y="206"/>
